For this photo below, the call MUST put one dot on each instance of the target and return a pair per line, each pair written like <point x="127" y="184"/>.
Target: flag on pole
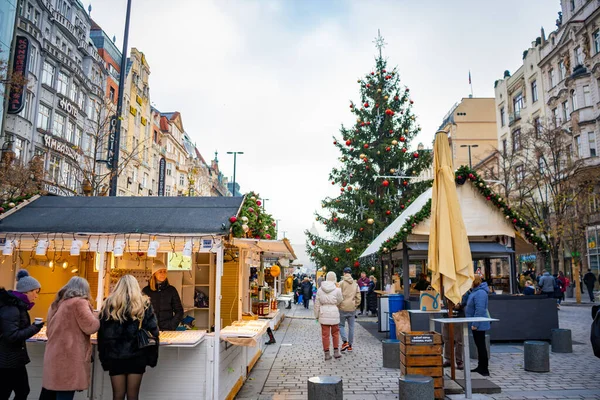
<point x="469" y="77"/>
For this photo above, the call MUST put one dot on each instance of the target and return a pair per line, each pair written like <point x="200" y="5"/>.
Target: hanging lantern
<point x="275" y="271"/>
<point x="153" y="248"/>
<point x="188" y="248"/>
<point x="76" y="247"/>
<point x="9" y="247"/>
<point x="41" y="248"/>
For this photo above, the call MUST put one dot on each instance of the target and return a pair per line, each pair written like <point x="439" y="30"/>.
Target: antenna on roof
<point x="114" y="39"/>
<point x="90" y="9"/>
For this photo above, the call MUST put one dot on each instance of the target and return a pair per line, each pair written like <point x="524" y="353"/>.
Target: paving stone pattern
<point x="283" y="370"/>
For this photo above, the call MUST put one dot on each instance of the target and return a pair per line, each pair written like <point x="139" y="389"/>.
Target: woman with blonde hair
<point x="124" y="314"/>
<point x="164" y="298"/>
<point x="68" y="355"/>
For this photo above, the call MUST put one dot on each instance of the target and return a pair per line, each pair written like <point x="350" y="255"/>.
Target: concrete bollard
<point x="416" y="387"/>
<point x="391" y="353"/>
<point x="325" y="388"/>
<point x="561" y="341"/>
<point x="473" y="349"/>
<point x="537" y="356"/>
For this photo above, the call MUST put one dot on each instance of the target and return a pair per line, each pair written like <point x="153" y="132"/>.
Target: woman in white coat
<point x="328" y="315"/>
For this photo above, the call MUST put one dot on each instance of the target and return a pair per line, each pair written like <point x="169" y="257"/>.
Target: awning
<point x="476" y="248"/>
<point x="270" y="248"/>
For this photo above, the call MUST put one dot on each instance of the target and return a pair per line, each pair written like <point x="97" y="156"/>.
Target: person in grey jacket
<point x="547" y="284"/>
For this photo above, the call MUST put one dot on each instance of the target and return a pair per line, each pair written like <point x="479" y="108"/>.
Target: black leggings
<point x="126" y="385"/>
<point x="306" y="301"/>
<point x="479" y="338"/>
<point x="14" y="380"/>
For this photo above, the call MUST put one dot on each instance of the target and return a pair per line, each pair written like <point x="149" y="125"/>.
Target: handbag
<point x="145" y="339"/>
<point x="429" y="300"/>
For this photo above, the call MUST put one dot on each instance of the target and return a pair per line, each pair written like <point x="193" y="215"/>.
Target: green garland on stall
<point x="252" y="221"/>
<point x="9" y="204"/>
<point x="463" y="174"/>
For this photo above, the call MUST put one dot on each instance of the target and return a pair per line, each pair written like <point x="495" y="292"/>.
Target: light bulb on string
<point x="74" y="270"/>
<point x="65" y="265"/>
<point x="51" y="264"/>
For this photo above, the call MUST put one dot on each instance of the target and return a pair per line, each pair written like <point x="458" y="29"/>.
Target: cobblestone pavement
<point x="283" y="370"/>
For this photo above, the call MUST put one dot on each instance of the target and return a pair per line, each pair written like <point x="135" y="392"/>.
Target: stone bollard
<point x="325" y="388"/>
<point x="473" y="349"/>
<point x="537" y="356"/>
<point x="561" y="341"/>
<point x="416" y="387"/>
<point x="391" y="353"/>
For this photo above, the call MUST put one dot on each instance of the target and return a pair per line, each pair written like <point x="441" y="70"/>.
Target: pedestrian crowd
<point x="554" y="286"/>
<point x="127" y="327"/>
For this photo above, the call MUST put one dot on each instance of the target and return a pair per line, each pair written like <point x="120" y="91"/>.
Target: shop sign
<point x="133" y="110"/>
<point x="206" y="245"/>
<point x="62" y="148"/>
<point x="69" y="107"/>
<point x="144" y="121"/>
<point x="16" y="100"/>
<point x="162" y="165"/>
<point x="421" y="339"/>
<point x="55" y="190"/>
<point x="138" y="100"/>
<point x="112" y="136"/>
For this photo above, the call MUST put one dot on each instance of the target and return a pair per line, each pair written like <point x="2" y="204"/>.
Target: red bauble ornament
<point x="412" y="102"/>
<point x="349" y="188"/>
<point x="334" y="142"/>
<point x="351" y="148"/>
<point x="371" y="201"/>
<point x="250" y="209"/>
<point x="391" y="131"/>
<point x="402" y="206"/>
<point x="389" y="112"/>
<point x="388" y="148"/>
<point x="367" y="167"/>
<point x="362" y="124"/>
<point x="405" y="183"/>
<point x="348" y="142"/>
<point x="386" y="183"/>
<point x="258" y="202"/>
<point x="342" y="189"/>
<point x="356" y="264"/>
<point x="361" y="229"/>
<point x="471" y="176"/>
<point x="384" y="71"/>
<point x="347" y="250"/>
<point x="336" y="259"/>
<point x="396" y="98"/>
<point x="351" y="105"/>
<point x="404" y="150"/>
<point x="344" y="184"/>
<point x="232" y="219"/>
<point x="366" y="105"/>
<point x="268" y="236"/>
<point x="332" y="182"/>
<point x="402" y="139"/>
<point x="372" y="73"/>
<point x="366" y="145"/>
<point x="314" y="242"/>
<point x="514" y="221"/>
<point x="335" y="219"/>
<point x="407" y="89"/>
<point x="388" y="212"/>
<point x="488" y="198"/>
<point x="416" y="155"/>
<point x="377" y="105"/>
<point x="413" y="225"/>
<point x="368" y="85"/>
<point x="368" y="122"/>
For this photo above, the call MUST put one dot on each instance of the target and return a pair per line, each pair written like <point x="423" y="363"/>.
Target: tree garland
<point x="463" y="174"/>
<point x="253" y="221"/>
<point x="9" y="204"/>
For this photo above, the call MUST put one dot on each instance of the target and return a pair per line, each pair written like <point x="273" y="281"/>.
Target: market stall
<point x="496" y="236"/>
<point x="102" y="239"/>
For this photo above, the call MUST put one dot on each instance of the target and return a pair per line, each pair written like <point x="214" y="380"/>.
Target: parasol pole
<point x="450" y="330"/>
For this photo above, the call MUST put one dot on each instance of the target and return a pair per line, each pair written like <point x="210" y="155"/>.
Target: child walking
<point x="329" y="296"/>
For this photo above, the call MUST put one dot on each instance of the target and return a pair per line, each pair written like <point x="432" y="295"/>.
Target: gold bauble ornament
<point x="370" y="221"/>
<point x="392" y="171"/>
<point x="385" y="97"/>
<point x="253" y="198"/>
<point x="358" y="81"/>
<point x="378" y="90"/>
<point x="394" y="142"/>
<point x="361" y="156"/>
<point x="406" y="131"/>
<point x="412" y="117"/>
<point x="378" y="152"/>
<point x="358" y="119"/>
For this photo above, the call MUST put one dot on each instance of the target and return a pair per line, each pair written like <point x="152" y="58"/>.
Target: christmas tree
<point x="375" y="172"/>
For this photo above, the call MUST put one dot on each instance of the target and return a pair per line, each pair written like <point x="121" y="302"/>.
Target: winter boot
<point x="327" y="356"/>
<point x="336" y="353"/>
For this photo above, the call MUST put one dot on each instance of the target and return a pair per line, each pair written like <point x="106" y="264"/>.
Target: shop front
<point x="102" y="239"/>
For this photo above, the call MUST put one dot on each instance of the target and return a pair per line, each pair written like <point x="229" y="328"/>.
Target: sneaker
<point x="446" y="364"/>
<point x="336" y="353"/>
<point x="349" y="348"/>
<point x="345" y="346"/>
<point x="327" y="356"/>
<point x="460" y="366"/>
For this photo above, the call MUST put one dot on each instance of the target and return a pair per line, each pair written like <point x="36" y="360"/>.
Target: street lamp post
<point x="264" y="201"/>
<point x="235" y="153"/>
<point x="469" y="146"/>
<point x="115" y="143"/>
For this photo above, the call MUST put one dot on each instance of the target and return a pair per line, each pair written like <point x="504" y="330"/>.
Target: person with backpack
<point x="546" y="284"/>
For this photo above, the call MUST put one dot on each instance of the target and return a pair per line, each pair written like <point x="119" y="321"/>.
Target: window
<point x="572" y="4"/>
<point x="516" y="140"/>
<point x="48" y="74"/>
<point x="574" y="99"/>
<point x="502" y="119"/>
<point x="78" y="136"/>
<point x="518" y="104"/>
<point x="70" y="131"/>
<point x="36" y="18"/>
<point x="504" y="147"/>
<point x="552" y="78"/>
<point x="519" y="173"/>
<point x="43" y="121"/>
<point x="596" y="37"/>
<point x="534" y="93"/>
<point x="578" y="145"/>
<point x="134" y="176"/>
<point x="594" y="201"/>
<point x="555" y="118"/>
<point x="33" y="60"/>
<point x="541" y="164"/>
<point x="28" y="101"/>
<point x="54" y="168"/>
<point x="73" y="92"/>
<point x="562" y="71"/>
<point x="537" y="126"/>
<point x="145" y="181"/>
<point x="169" y="169"/>
<point x="566" y="112"/>
<point x="18" y="146"/>
<point x="587" y="96"/>
<point x="578" y="55"/>
<point x="167" y="190"/>
<point x="66" y="176"/>
<point x="29" y="14"/>
<point x="181" y="180"/>
<point x="592" y="143"/>
<point x="59" y="125"/>
<point x="81" y="100"/>
<point x="112" y="95"/>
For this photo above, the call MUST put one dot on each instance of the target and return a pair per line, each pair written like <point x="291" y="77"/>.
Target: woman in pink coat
<point x="68" y="356"/>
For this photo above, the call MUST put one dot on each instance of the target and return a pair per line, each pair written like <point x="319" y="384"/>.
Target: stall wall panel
<point x="232" y="367"/>
<point x="231" y="296"/>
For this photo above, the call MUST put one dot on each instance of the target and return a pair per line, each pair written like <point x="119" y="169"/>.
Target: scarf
<point x="23" y="298"/>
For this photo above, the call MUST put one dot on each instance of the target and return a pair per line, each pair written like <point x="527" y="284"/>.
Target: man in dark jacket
<point x="306" y="291"/>
<point x="546" y="284"/>
<point x="590" y="280"/>
<point x="15" y="329"/>
<point x="295" y="287"/>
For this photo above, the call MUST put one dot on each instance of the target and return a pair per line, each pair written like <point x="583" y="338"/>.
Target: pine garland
<point x="253" y="221"/>
<point x="12" y="203"/>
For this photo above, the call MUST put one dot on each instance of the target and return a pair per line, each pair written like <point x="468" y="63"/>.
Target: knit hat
<point x="347" y="270"/>
<point x="26" y="283"/>
<point x="331" y="276"/>
<point x="157" y="266"/>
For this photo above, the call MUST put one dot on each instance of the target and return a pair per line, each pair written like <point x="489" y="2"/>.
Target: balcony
<point x="583" y="115"/>
<point x="66" y="26"/>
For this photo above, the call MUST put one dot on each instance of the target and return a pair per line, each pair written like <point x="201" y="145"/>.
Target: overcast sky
<point x="274" y="78"/>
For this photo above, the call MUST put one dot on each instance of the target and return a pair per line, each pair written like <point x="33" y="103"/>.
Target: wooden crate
<point x="421" y="354"/>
